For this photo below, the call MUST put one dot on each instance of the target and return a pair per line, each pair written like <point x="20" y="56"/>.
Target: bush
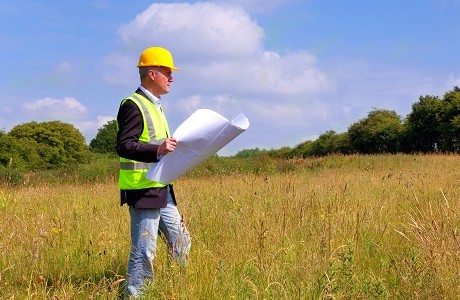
<point x="56" y="144"/>
<point x="10" y="176"/>
<point x="99" y="168"/>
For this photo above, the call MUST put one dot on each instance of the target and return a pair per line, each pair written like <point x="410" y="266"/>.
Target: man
<point x="143" y="138"/>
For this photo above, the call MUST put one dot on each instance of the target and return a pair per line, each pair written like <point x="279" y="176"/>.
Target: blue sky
<point x="295" y="68"/>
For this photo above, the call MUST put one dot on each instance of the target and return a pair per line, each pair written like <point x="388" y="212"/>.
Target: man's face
<point x="162" y="78"/>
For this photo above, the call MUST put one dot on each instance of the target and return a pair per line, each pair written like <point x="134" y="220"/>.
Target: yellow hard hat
<point x="156" y="56"/>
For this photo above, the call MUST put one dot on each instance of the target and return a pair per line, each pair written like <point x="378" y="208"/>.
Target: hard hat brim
<point x="172" y="68"/>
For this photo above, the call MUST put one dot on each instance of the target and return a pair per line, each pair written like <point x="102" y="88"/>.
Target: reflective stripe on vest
<point x="135" y="165"/>
<point x="148" y="118"/>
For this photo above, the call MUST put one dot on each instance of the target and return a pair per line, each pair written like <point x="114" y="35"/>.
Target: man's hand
<point x="167" y="146"/>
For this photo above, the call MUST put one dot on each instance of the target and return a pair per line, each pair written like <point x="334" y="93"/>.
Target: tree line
<point x="433" y="125"/>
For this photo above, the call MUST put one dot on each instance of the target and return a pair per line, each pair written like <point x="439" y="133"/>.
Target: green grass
<point x="337" y="227"/>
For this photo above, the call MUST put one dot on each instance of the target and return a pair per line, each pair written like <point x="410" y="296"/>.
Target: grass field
<point x="338" y="227"/>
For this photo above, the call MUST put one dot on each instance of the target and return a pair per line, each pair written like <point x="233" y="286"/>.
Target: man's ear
<point x="154" y="73"/>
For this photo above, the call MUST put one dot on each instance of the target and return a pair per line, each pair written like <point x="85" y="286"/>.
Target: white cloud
<point x="276" y="111"/>
<point x="200" y="30"/>
<point x="190" y="104"/>
<point x="53" y="107"/>
<point x="89" y="128"/>
<point x="64" y="67"/>
<point x="293" y="74"/>
<point x="68" y="110"/>
<point x="102" y="120"/>
<point x="256" y="5"/>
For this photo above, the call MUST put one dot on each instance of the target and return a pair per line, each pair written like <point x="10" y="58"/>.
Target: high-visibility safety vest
<point x="132" y="173"/>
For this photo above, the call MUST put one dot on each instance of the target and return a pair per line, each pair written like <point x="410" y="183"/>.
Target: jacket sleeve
<point x="130" y="126"/>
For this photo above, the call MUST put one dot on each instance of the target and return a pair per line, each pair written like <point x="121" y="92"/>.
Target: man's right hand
<point x="167" y="146"/>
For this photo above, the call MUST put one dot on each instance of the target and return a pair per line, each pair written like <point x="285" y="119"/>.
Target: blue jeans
<point x="145" y="224"/>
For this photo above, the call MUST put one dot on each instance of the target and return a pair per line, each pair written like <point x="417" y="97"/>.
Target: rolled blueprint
<point x="199" y="137"/>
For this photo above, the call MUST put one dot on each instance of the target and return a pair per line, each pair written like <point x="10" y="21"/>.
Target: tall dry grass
<point x="341" y="227"/>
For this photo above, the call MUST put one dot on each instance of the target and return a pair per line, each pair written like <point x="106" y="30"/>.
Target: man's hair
<point x="143" y="71"/>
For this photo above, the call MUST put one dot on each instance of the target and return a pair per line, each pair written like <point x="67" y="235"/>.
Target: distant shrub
<point x="99" y="168"/>
<point x="9" y="176"/>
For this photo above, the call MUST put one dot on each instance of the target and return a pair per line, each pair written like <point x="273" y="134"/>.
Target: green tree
<point x="283" y="152"/>
<point x="329" y="143"/>
<point x="106" y="138"/>
<point x="422" y="125"/>
<point x="380" y="132"/>
<point x="449" y="122"/>
<point x="57" y="143"/>
<point x="248" y="153"/>
<point x="323" y="144"/>
<point x="19" y="154"/>
<point x="303" y="149"/>
<point x="342" y="144"/>
<point x="8" y="152"/>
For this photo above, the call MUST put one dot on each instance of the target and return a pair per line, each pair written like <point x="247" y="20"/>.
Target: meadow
<point x="336" y="227"/>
